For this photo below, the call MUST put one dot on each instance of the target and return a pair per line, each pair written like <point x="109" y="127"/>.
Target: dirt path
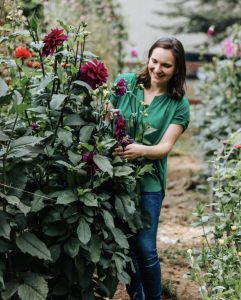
<point x="175" y="233"/>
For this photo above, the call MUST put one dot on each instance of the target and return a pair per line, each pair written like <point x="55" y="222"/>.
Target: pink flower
<point x="231" y="49"/>
<point x="94" y="73"/>
<point x="90" y="165"/>
<point x="134" y="52"/>
<point x="52" y="40"/>
<point x="238" y="146"/>
<point x="211" y="30"/>
<point x="121" y="87"/>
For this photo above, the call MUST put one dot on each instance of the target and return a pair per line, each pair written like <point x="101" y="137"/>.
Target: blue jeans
<point x="146" y="281"/>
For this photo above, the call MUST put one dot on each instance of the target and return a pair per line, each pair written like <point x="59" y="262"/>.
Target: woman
<point x="157" y="94"/>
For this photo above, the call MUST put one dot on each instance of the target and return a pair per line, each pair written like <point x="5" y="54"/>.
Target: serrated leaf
<point x="84" y="84"/>
<point x="74" y="158"/>
<point x="34" y="287"/>
<point x="89" y="199"/>
<point x="83" y="231"/>
<point x="65" y="137"/>
<point x="74" y="120"/>
<point x="10" y="289"/>
<point x="103" y="164"/>
<point x="25" y="140"/>
<point x="31" y="244"/>
<point x="85" y="132"/>
<point x="13" y="200"/>
<point x="122" y="171"/>
<point x="57" y="100"/>
<point x="38" y="201"/>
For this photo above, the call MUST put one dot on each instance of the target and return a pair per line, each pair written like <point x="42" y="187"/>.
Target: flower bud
<point x="221" y="242"/>
<point x="234" y="228"/>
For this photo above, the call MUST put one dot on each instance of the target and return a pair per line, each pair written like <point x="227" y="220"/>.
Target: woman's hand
<point x="131" y="151"/>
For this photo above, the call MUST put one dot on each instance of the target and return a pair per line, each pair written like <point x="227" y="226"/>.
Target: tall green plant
<point x="67" y="207"/>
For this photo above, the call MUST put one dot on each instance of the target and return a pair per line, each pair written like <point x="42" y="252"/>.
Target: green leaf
<point x="3" y="39"/>
<point x="124" y="277"/>
<point x="95" y="248"/>
<point x="38" y="201"/>
<point x="122" y="171"/>
<point x="34" y="287"/>
<point x="83" y="231"/>
<point x="109" y="221"/>
<point x="4" y="246"/>
<point x="89" y="54"/>
<point x="74" y="120"/>
<point x="57" y="100"/>
<point x="10" y="289"/>
<point x="3" y="137"/>
<point x="13" y="200"/>
<point x="55" y="229"/>
<point x="103" y="164"/>
<point x="5" y="228"/>
<point x="120" y="238"/>
<point x="65" y="137"/>
<point x="74" y="158"/>
<point x="148" y="168"/>
<point x="45" y="82"/>
<point x="84" y="84"/>
<point x="89" y="199"/>
<point x="25" y="140"/>
<point x="3" y="88"/>
<point x="29" y="243"/>
<point x="85" y="132"/>
<point x="66" y="197"/>
<point x="72" y="247"/>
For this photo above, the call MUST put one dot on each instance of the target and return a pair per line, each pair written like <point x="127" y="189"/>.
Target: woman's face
<point x="161" y="66"/>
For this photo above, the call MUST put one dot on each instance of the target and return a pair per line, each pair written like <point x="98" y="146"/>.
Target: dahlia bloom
<point x="211" y="30"/>
<point x="230" y="49"/>
<point x="52" y="40"/>
<point x="23" y="53"/>
<point x="134" y="52"/>
<point x="90" y="165"/>
<point x="35" y="127"/>
<point x="120" y="88"/>
<point x="119" y="128"/>
<point x="94" y="73"/>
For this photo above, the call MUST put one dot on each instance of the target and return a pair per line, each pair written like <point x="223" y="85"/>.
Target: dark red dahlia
<point x="120" y="88"/>
<point x="119" y="128"/>
<point x="94" y="73"/>
<point x="52" y="40"/>
<point x="23" y="53"/>
<point x="90" y="165"/>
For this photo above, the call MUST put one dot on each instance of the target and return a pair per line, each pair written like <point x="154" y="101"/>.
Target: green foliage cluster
<point x="220" y="93"/>
<point x="198" y="15"/>
<point x="217" y="268"/>
<point x="64" y="229"/>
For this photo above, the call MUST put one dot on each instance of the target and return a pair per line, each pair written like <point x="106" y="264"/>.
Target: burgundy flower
<point x="121" y="87"/>
<point x="211" y="30"/>
<point x="23" y="53"/>
<point x="52" y="40"/>
<point x="94" y="73"/>
<point x="35" y="126"/>
<point x="126" y="141"/>
<point x="119" y="128"/>
<point x="90" y="165"/>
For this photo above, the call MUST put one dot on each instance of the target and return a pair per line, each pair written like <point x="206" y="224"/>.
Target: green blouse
<point x="148" y="123"/>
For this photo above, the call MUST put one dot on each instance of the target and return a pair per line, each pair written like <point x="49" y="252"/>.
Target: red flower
<point x="23" y="53"/>
<point x="119" y="128"/>
<point x="90" y="165"/>
<point x="121" y="87"/>
<point x="52" y="40"/>
<point x="94" y="73"/>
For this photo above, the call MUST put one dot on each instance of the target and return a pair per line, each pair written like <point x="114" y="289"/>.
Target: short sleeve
<point x="129" y="78"/>
<point x="182" y="114"/>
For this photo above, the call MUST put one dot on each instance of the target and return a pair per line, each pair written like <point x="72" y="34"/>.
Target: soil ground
<point x="176" y="233"/>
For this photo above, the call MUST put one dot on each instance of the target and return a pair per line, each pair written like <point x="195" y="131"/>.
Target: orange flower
<point x="36" y="65"/>
<point x="23" y="53"/>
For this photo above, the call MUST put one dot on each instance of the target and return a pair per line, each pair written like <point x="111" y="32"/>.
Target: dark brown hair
<point x="176" y="85"/>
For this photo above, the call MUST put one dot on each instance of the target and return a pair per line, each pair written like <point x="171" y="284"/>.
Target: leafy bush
<point x="217" y="268"/>
<point x="220" y="93"/>
<point x="67" y="206"/>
